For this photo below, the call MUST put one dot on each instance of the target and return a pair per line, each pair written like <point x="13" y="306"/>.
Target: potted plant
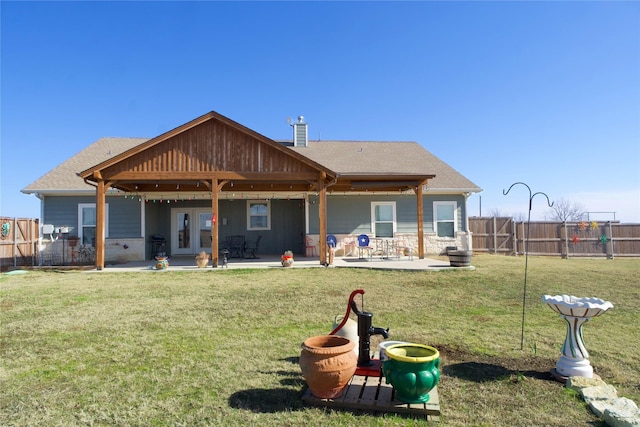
<point x="287" y="259"/>
<point x="202" y="259"/>
<point x="73" y="241"/>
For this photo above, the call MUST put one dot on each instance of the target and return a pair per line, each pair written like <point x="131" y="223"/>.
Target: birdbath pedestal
<point x="574" y="361"/>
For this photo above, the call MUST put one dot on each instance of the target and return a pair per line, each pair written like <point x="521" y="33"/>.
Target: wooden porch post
<point x="322" y="199"/>
<point x="214" y="222"/>
<point x="420" y="203"/>
<point x="100" y="223"/>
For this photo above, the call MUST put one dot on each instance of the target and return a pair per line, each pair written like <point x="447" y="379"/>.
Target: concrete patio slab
<point x="187" y="263"/>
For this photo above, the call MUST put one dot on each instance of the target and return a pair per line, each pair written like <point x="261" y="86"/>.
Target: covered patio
<point x="214" y="158"/>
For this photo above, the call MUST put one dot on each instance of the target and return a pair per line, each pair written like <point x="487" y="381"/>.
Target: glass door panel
<point x="181" y="242"/>
<point x="204" y="231"/>
<point x="190" y="231"/>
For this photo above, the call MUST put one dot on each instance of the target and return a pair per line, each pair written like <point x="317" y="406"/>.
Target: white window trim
<point x="373" y="215"/>
<point x="268" y="203"/>
<point x="455" y="218"/>
<point x="81" y="206"/>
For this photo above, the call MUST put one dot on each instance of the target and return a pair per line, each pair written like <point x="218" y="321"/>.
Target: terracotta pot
<point x="202" y="262"/>
<point x="327" y="363"/>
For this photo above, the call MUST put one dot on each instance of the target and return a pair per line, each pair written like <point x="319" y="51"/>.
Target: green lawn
<point x="221" y="347"/>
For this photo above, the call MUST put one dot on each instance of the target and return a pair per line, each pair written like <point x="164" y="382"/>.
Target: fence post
<point x="611" y="239"/>
<point x="495" y="235"/>
<point x="566" y="238"/>
<point x="514" y="236"/>
<point x="15" y="241"/>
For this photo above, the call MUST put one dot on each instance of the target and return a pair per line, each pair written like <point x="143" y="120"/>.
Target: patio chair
<point x="363" y="246"/>
<point x="380" y="247"/>
<point x="236" y="246"/>
<point x="332" y="243"/>
<point x="310" y="248"/>
<point x="252" y="247"/>
<point x="350" y="246"/>
<point x="403" y="247"/>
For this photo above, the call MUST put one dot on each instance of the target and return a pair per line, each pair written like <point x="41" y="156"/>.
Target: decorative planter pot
<point x="460" y="258"/>
<point x="202" y="262"/>
<point x="412" y="370"/>
<point x="287" y="261"/>
<point x="327" y="363"/>
<point x="162" y="263"/>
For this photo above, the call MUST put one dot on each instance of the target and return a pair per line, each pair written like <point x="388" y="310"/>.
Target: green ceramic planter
<point x="412" y="370"/>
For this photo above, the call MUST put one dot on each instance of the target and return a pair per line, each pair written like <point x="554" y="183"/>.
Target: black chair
<point x="252" y="247"/>
<point x="236" y="246"/>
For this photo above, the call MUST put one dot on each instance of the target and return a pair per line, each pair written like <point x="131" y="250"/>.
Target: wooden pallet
<point x="373" y="394"/>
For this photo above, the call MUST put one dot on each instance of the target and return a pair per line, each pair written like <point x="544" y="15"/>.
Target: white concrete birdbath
<point x="574" y="361"/>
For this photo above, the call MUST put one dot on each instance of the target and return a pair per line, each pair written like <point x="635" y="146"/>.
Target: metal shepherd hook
<point x="526" y="250"/>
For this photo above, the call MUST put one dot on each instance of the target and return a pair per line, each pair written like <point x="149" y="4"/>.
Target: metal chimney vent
<point x="300" y="133"/>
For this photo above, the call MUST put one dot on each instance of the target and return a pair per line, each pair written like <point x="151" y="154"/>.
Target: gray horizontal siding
<point x="352" y="214"/>
<point x="124" y="217"/>
<point x="124" y="214"/>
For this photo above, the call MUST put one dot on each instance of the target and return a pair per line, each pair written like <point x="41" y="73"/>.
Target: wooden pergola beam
<point x="215" y="188"/>
<point x="322" y="207"/>
<point x="101" y="191"/>
<point x="420" y="207"/>
<point x="228" y="175"/>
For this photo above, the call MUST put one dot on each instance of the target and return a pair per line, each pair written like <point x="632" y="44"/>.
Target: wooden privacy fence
<point x="566" y="239"/>
<point x="18" y="242"/>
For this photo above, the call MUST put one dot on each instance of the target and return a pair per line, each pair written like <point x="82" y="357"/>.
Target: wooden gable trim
<point x="112" y="164"/>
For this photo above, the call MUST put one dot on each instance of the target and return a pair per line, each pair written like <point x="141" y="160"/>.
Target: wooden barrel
<point x="460" y="258"/>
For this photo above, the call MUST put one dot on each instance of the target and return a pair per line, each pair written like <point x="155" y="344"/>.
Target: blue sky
<point x="542" y="92"/>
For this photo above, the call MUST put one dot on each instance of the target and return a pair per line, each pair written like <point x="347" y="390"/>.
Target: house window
<point x="258" y="215"/>
<point x="383" y="218"/>
<point x="445" y="218"/>
<point x="87" y="223"/>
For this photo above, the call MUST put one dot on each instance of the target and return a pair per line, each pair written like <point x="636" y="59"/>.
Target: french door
<point x="190" y="231"/>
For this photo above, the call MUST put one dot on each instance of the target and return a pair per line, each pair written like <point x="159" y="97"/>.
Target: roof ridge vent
<point x="300" y="133"/>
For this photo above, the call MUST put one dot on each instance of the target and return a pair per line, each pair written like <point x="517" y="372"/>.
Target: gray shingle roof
<point x="348" y="158"/>
<point x="387" y="159"/>
<point x="64" y="176"/>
